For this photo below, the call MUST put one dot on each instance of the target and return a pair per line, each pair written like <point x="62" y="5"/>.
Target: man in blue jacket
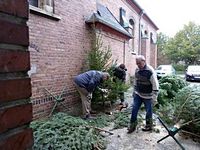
<point x="145" y="91"/>
<point x="86" y="84"/>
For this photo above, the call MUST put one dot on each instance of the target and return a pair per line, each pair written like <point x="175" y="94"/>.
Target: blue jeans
<point x="136" y="106"/>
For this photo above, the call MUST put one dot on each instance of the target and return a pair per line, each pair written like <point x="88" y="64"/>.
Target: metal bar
<point x="54" y="107"/>
<point x="178" y="143"/>
<point x="51" y="94"/>
<point x="163" y="138"/>
<point x="60" y="96"/>
<point x="163" y="124"/>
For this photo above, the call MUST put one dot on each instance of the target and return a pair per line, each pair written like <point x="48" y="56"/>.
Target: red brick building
<point x="61" y="33"/>
<point x="15" y="84"/>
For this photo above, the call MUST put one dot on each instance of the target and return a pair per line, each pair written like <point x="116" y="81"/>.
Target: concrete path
<point x="140" y="140"/>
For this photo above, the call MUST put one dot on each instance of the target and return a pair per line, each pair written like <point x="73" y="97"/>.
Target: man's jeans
<point x="136" y="106"/>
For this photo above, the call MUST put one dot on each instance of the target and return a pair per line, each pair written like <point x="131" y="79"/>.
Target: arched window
<point x="132" y="32"/>
<point x="153" y="38"/>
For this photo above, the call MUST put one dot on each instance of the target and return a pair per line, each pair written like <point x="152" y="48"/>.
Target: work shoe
<point x="132" y="127"/>
<point x="93" y="112"/>
<point x="147" y="128"/>
<point x="130" y="130"/>
<point x="88" y="117"/>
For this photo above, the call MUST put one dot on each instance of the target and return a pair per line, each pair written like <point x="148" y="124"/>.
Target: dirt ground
<point x="139" y="140"/>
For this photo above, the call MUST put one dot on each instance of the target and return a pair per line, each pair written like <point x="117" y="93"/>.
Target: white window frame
<point x="131" y="30"/>
<point x="46" y="5"/>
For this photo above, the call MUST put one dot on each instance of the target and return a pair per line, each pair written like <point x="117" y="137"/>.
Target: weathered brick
<point x="11" y="33"/>
<point x="11" y="61"/>
<point x="14" y="89"/>
<point x="15" y="116"/>
<point x="15" y="7"/>
<point x="18" y="141"/>
<point x="59" y="49"/>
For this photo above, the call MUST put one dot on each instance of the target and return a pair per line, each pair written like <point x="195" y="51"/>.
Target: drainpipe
<point x="140" y="37"/>
<point x="124" y="52"/>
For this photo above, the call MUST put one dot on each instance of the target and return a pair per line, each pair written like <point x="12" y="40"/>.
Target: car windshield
<point x="164" y="68"/>
<point x="194" y="68"/>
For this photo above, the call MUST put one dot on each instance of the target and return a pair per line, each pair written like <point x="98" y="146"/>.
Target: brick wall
<point x="15" y="87"/>
<point x="59" y="48"/>
<point x="153" y="55"/>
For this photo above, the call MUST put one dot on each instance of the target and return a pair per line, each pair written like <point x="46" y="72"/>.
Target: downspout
<point x="140" y="36"/>
<point x="124" y="52"/>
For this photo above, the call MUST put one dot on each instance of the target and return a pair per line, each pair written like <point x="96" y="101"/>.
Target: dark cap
<point x="122" y="66"/>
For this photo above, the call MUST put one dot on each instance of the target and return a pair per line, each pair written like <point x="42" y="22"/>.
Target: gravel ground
<point x="140" y="140"/>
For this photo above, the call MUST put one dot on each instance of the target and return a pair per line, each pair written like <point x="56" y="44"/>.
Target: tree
<point x="185" y="46"/>
<point x="100" y="58"/>
<point x="161" y="43"/>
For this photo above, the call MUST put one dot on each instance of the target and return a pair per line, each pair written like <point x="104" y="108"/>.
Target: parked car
<point x="192" y="73"/>
<point x="165" y="70"/>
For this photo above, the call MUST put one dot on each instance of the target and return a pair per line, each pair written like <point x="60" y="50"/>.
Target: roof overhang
<point x="105" y="17"/>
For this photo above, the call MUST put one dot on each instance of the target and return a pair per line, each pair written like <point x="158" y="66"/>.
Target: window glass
<point x="132" y="28"/>
<point x="33" y="3"/>
<point x="46" y="5"/>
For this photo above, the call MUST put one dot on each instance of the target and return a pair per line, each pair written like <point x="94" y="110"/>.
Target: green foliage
<point x="161" y="47"/>
<point x="185" y="46"/>
<point x="179" y="67"/>
<point x="99" y="58"/>
<point x="73" y="133"/>
<point x="66" y="133"/>
<point x="166" y="112"/>
<point x="187" y="107"/>
<point x="101" y="121"/>
<point x="181" y="103"/>
<point x="162" y="41"/>
<point x="121" y="119"/>
<point x="169" y="86"/>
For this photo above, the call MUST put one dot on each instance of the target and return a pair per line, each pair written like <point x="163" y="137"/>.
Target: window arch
<point x="132" y="32"/>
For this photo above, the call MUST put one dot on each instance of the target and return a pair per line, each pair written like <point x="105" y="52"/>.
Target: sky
<point x="170" y="16"/>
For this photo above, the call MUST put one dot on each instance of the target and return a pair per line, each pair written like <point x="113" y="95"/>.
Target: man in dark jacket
<point x="86" y="84"/>
<point x="120" y="73"/>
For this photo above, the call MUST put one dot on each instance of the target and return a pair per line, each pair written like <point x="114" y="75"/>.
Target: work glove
<point x="154" y="101"/>
<point x="103" y="90"/>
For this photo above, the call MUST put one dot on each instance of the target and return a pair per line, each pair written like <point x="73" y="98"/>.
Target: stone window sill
<point x="133" y="53"/>
<point x="38" y="11"/>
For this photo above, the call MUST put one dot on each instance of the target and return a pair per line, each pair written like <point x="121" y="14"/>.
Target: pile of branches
<point x="169" y="87"/>
<point x="67" y="133"/>
<point x="187" y="108"/>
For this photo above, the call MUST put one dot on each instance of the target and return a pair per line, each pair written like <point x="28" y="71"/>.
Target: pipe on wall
<point x="140" y="36"/>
